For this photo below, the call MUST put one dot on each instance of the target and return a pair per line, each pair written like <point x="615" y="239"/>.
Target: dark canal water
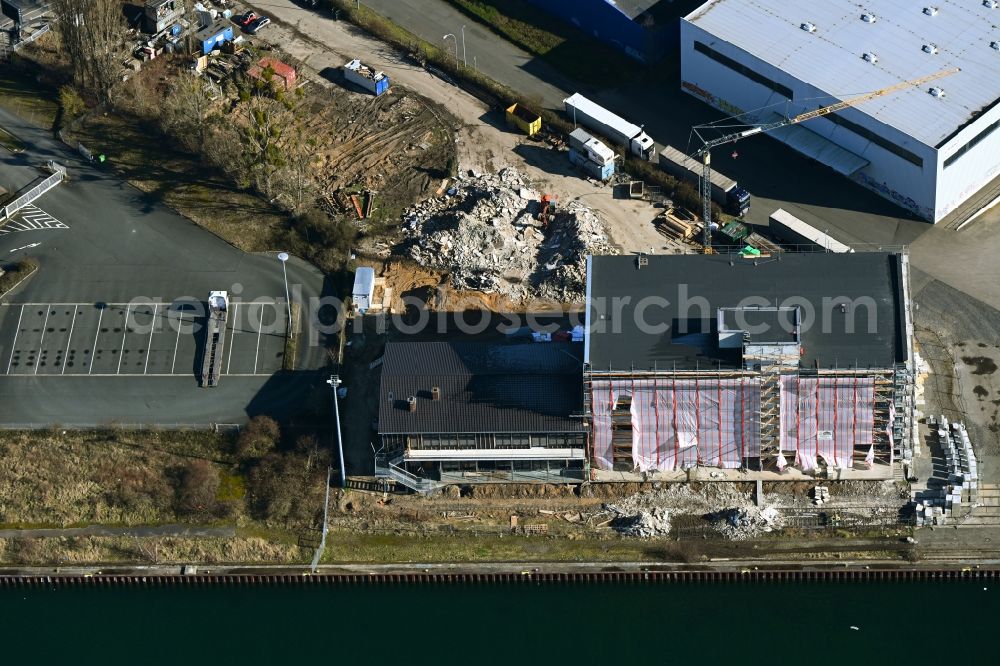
<point x="754" y="623"/>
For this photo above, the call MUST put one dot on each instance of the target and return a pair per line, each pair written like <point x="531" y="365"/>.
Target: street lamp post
<point x="283" y="257"/>
<point x="465" y="60"/>
<point x="445" y="38"/>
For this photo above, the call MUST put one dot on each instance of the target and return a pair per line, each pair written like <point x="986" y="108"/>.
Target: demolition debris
<point x="485" y="232"/>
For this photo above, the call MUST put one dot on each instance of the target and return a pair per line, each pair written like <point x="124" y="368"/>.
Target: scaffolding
<point x="772" y="413"/>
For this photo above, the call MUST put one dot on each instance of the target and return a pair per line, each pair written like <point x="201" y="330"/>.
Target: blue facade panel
<point x="603" y="20"/>
<point x="216" y="39"/>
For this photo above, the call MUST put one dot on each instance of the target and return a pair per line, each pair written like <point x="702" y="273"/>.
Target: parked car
<point x="257" y="25"/>
<point x="245" y="19"/>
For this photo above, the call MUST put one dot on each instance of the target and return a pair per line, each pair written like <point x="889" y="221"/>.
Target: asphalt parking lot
<point x="150" y="339"/>
<point x="108" y="329"/>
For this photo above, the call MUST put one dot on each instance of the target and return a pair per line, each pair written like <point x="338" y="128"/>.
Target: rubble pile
<point x="746" y="522"/>
<point x="731" y="511"/>
<point x="486" y="235"/>
<point x="645" y="524"/>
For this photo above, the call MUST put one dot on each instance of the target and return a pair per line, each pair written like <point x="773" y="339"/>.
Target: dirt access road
<point x="482" y="140"/>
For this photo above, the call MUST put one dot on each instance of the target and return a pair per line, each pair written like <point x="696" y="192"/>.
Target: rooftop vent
<point x="435" y="393"/>
<point x="868" y="18"/>
<point x="991" y="4"/>
<point x="995" y="46"/>
<point x="930" y="48"/>
<point x="931" y="11"/>
<point x="411" y="403"/>
<point x="808" y="27"/>
<point x="937" y="92"/>
<point x="869" y="57"/>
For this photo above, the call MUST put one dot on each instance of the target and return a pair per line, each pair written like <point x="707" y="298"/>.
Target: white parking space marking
<point x="111" y="342"/>
<point x="41" y="344"/>
<point x="32" y="218"/>
<point x="93" y="350"/>
<point x="13" y="345"/>
<point x="180" y="322"/>
<point x="121" y="352"/>
<point x="232" y="334"/>
<point x="149" y="343"/>
<point x="72" y="325"/>
<point x="256" y="351"/>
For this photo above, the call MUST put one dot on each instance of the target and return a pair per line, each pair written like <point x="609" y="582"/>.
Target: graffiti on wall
<point x="714" y="100"/>
<point x="894" y="196"/>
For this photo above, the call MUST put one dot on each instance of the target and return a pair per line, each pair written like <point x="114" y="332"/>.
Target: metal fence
<point x="32" y="194"/>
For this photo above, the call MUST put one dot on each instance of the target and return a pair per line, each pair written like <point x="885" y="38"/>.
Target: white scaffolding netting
<point x="679" y="423"/>
<point x="826" y="417"/>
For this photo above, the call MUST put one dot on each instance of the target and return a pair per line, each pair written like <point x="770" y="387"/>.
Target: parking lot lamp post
<point x="283" y="257"/>
<point x="445" y="38"/>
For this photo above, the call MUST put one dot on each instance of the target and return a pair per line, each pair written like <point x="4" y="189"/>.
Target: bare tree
<point x="93" y="33"/>
<point x="266" y="122"/>
<point x="297" y="184"/>
<point x="186" y="111"/>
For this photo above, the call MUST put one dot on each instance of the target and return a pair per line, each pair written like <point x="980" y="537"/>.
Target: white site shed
<point x="364" y="288"/>
<point x="928" y="148"/>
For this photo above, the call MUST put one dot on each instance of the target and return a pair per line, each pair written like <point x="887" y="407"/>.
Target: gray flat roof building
<point x="664" y="315"/>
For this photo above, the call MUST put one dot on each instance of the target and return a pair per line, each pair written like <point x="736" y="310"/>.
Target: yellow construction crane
<point x="705" y="151"/>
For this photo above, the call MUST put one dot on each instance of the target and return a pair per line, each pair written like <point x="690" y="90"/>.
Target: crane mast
<point x="706" y="149"/>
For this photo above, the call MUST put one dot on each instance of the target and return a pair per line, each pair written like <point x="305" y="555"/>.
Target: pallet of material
<point x="765" y="246"/>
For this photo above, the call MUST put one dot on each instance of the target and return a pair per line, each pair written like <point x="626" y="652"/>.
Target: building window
<point x="520" y="441"/>
<point x="879" y="141"/>
<point x="971" y="144"/>
<point x="740" y="68"/>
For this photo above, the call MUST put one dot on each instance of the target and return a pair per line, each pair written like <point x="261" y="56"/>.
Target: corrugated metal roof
<point x="485" y="388"/>
<point x="830" y="58"/>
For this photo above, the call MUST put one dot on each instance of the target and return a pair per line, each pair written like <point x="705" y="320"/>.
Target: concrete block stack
<point x="935" y="506"/>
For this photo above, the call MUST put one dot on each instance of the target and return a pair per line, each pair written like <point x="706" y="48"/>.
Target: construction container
<point x="581" y="141"/>
<point x="366" y="77"/>
<point x="591" y="168"/>
<point x="526" y="120"/>
<point x="734" y="232"/>
<point x="214" y="35"/>
<point x="790" y="228"/>
<point x="364" y="289"/>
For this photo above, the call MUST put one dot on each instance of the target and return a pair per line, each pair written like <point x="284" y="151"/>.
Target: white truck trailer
<point x="793" y="230"/>
<point x="364" y="289"/>
<point x="581" y="110"/>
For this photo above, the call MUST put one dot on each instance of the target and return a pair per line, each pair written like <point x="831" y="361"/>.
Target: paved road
<point x="112" y="245"/>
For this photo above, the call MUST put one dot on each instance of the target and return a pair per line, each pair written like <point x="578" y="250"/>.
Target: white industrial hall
<point x="931" y="147"/>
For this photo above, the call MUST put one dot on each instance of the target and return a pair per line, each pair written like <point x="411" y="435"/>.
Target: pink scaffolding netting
<point x="826" y="417"/>
<point x="680" y="423"/>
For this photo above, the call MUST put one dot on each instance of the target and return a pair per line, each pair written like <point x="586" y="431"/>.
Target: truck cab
<point x="738" y="201"/>
<point x="643" y="146"/>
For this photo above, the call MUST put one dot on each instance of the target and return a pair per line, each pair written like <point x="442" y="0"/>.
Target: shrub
<point x="258" y="438"/>
<point x="197" y="488"/>
<point x="71" y="102"/>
